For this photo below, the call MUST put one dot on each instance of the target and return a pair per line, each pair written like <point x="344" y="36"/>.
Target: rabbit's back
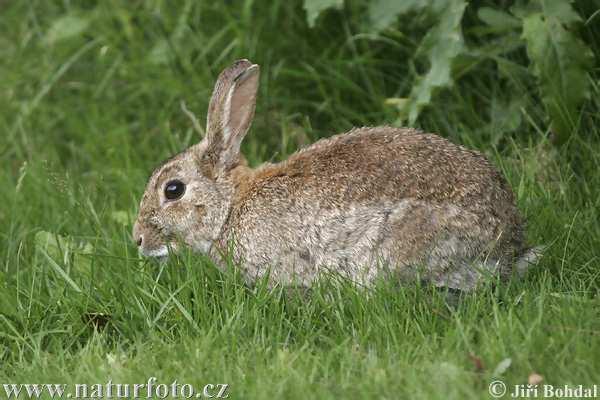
<point x="372" y="195"/>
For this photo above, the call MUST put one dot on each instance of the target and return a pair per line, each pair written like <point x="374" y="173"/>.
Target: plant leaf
<point x="66" y="27"/>
<point x="442" y="44"/>
<point x="559" y="9"/>
<point x="499" y="20"/>
<point x="383" y="13"/>
<point x="315" y="7"/>
<point x="560" y="61"/>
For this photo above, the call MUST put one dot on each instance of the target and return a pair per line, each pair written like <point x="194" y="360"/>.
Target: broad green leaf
<point x="442" y="44"/>
<point x="499" y="20"/>
<point x="315" y="7"/>
<point x="560" y="61"/>
<point x="383" y="13"/>
<point x="66" y="27"/>
<point x="559" y="9"/>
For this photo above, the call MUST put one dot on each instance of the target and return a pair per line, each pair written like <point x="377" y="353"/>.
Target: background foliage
<point x="558" y="59"/>
<point x="91" y="99"/>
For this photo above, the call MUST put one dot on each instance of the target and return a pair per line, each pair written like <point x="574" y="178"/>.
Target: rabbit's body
<point x="371" y="202"/>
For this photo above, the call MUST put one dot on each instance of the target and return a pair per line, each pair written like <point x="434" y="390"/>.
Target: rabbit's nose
<point x="138" y="238"/>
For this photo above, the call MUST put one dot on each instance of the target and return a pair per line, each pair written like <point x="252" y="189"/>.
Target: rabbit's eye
<point x="174" y="190"/>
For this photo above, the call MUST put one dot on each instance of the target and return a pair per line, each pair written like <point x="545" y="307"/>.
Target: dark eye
<point x="174" y="190"/>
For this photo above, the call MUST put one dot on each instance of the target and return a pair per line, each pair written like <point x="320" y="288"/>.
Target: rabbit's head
<point x="188" y="198"/>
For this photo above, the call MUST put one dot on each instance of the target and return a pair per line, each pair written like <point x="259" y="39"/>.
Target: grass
<point x="91" y="103"/>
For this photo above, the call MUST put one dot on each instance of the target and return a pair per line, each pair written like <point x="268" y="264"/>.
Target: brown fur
<point x="361" y="203"/>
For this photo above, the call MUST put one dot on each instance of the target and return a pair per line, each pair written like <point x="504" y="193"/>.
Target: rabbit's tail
<point x="529" y="258"/>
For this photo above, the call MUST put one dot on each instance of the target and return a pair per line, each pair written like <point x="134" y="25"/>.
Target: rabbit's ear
<point x="230" y="114"/>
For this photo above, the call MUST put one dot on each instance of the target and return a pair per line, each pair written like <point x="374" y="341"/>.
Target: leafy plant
<point x="315" y="7"/>
<point x="558" y="60"/>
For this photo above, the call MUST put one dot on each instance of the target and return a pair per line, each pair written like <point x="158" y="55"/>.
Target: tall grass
<point x="90" y="102"/>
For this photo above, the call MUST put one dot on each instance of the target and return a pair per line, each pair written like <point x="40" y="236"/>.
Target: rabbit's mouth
<point x="161" y="253"/>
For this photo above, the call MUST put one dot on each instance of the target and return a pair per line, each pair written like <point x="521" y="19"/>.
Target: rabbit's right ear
<point x="229" y="116"/>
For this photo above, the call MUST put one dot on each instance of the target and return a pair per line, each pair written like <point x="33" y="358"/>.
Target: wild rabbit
<point x="368" y="203"/>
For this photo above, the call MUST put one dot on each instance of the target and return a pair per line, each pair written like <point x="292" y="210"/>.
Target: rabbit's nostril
<point x="139" y="241"/>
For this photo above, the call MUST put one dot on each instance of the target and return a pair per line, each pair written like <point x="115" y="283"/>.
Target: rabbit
<point x="372" y="203"/>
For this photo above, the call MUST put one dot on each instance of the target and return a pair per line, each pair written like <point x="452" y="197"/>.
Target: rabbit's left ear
<point x="230" y="115"/>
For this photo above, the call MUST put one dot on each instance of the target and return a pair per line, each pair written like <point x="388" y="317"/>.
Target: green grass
<point x="85" y="118"/>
